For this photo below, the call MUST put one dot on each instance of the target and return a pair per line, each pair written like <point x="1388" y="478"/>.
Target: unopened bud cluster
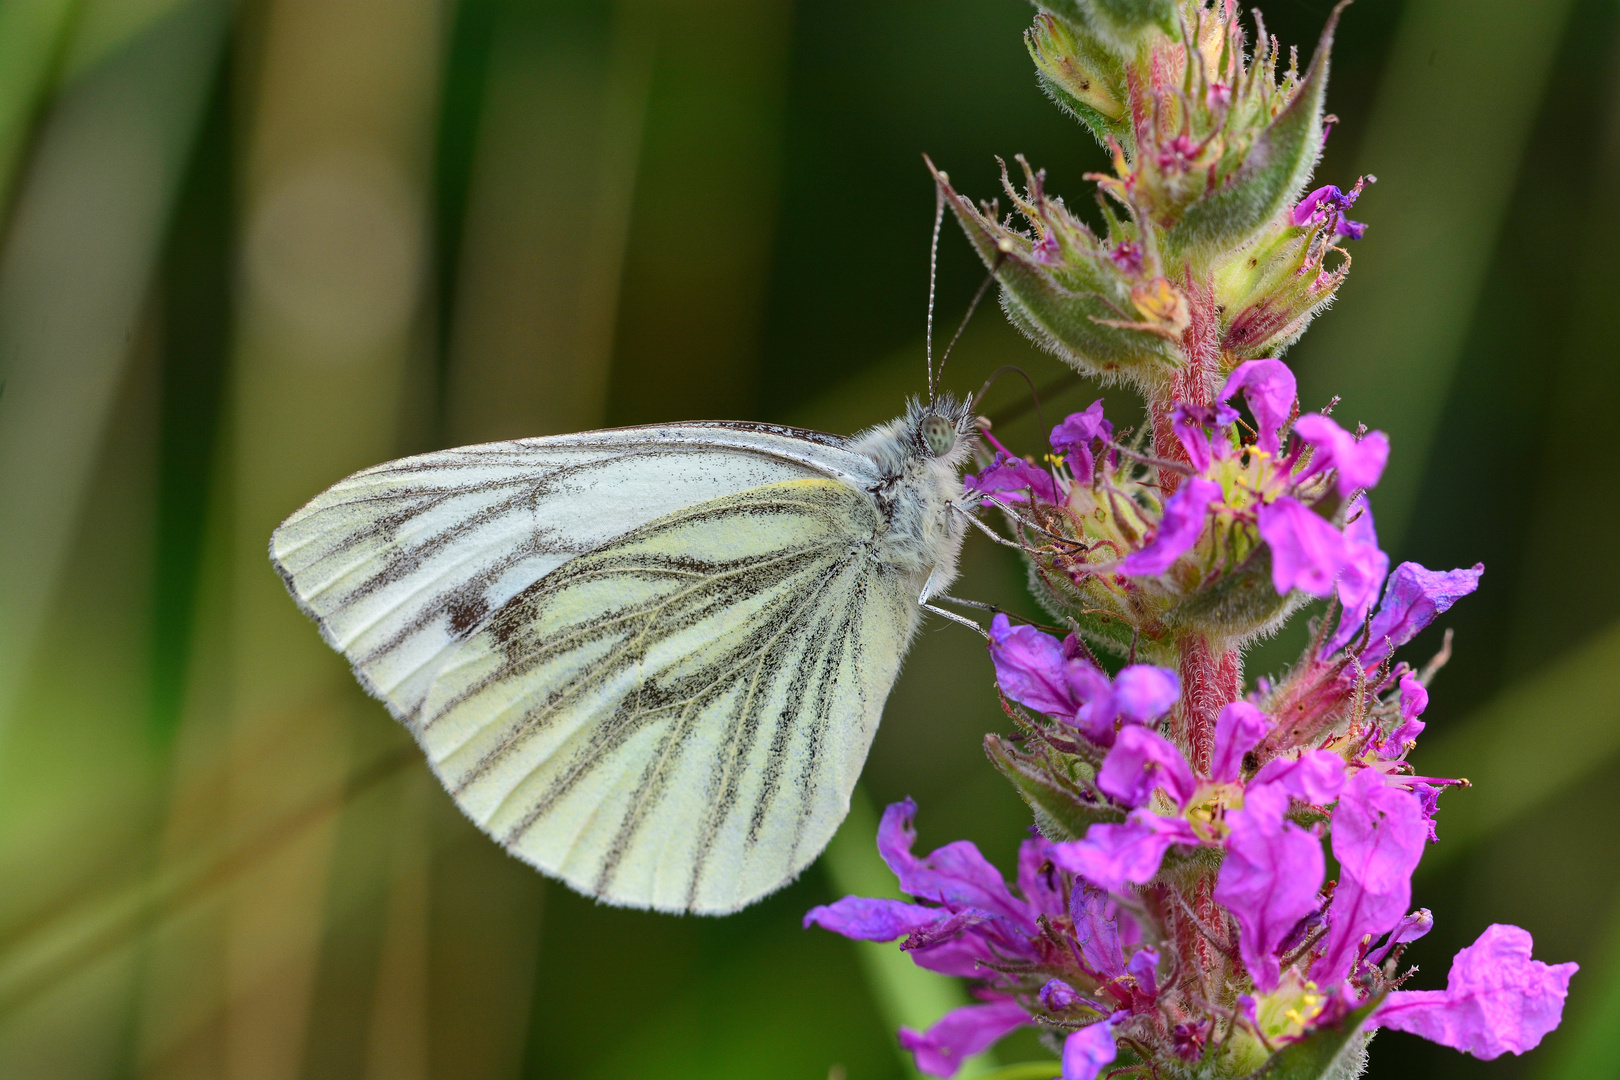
<point x="1174" y="918"/>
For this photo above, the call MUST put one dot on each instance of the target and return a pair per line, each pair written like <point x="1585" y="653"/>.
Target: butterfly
<point x="649" y="661"/>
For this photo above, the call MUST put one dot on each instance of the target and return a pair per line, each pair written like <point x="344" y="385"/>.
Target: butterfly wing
<point x="400" y="563"/>
<point x="676" y="720"/>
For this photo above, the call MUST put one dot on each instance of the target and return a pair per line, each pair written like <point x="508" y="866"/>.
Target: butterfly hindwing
<point x="676" y="719"/>
<point x="402" y="562"/>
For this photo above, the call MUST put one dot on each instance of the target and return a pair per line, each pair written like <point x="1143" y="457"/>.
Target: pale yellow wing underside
<point x="676" y="719"/>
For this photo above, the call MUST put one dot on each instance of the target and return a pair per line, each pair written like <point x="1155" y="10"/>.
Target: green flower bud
<point x="1081" y="75"/>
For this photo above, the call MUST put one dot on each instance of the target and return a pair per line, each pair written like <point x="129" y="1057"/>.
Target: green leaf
<point x="1126" y="21"/>
<point x="1328" y="1053"/>
<point x="1059" y="812"/>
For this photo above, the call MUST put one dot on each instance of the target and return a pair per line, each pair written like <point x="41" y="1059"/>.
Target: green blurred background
<point x="250" y="248"/>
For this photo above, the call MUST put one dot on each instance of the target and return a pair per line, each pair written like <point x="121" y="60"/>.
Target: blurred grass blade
<point x="1447" y="139"/>
<point x="33" y="37"/>
<point x="1540" y="736"/>
<point x="79" y="256"/>
<point x="905" y="994"/>
<point x="1590" y="1049"/>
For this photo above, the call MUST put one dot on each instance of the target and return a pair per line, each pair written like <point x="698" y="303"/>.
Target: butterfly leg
<point x="954" y="617"/>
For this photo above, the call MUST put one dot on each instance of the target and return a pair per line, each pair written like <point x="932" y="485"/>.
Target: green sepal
<point x="1063" y="316"/>
<point x="1238" y="605"/>
<point x="1080" y="74"/>
<point x="1041" y="780"/>
<point x="1333" y="1052"/>
<point x="1269" y="178"/>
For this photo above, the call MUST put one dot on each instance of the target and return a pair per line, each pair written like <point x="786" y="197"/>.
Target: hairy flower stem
<point x="1209" y="679"/>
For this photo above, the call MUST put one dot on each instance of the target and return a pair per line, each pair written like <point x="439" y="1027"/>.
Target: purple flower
<point x="1363" y="574"/>
<point x="1414" y="699"/>
<point x="1058" y="996"/>
<point x="955" y="876"/>
<point x="1192" y="424"/>
<point x="1111" y="856"/>
<point x="1238" y="729"/>
<point x="1034" y="669"/>
<point x="960" y="1034"/>
<point x="1086" y="1051"/>
<point x="1497" y="999"/>
<point x="1037" y="670"/>
<point x="1072" y="439"/>
<point x="1360" y="463"/>
<point x="1316" y="777"/>
<point x="1096" y="932"/>
<point x="1142" y="761"/>
<point x="1269" y="880"/>
<point x="1047" y="251"/>
<point x="863" y="919"/>
<point x="1327" y="204"/>
<point x="1179" y="528"/>
<point x="1269" y="388"/>
<point x="1378" y="837"/>
<point x="1011" y="478"/>
<point x="1413" y="599"/>
<point x="1306" y="551"/>
<point x="1409" y="929"/>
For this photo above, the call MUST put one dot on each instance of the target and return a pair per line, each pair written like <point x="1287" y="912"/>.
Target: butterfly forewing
<point x="676" y="719"/>
<point x="402" y="562"/>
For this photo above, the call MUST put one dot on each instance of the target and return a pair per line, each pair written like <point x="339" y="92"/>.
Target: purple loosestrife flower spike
<point x="1142" y="761"/>
<point x="1089" y="1050"/>
<point x="1269" y="880"/>
<point x="1072" y="439"/>
<point x="1360" y="464"/>
<point x="1238" y="729"/>
<point x="1414" y="598"/>
<point x="1306" y="552"/>
<point x="1497" y="999"/>
<point x="1179" y="528"/>
<point x="1378" y="836"/>
<point x="1269" y="388"/>
<point x="960" y="1034"/>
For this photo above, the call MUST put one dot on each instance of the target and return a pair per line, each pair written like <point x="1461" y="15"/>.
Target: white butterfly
<point x="649" y="661"/>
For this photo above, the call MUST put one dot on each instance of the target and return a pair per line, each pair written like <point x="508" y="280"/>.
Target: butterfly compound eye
<point x="940" y="435"/>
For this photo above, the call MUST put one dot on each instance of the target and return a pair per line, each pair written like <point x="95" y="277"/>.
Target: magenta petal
<point x="865" y="919"/>
<point x="1497" y="999"/>
<point x="1378" y="837"/>
<point x="1269" y="388"/>
<point x="1409" y="929"/>
<point x="1413" y="599"/>
<point x="1307" y="552"/>
<point x="1363" y="575"/>
<point x="1360" y="463"/>
<point x="960" y="1034"/>
<point x="1011" y="478"/>
<point x="1096" y="931"/>
<point x="1088" y="1050"/>
<point x="1142" y="761"/>
<point x="955" y="875"/>
<point x="1073" y="439"/>
<point x="1143" y="693"/>
<point x="1269" y="880"/>
<point x="1238" y="729"/>
<point x="1316" y="777"/>
<point x="1112" y="856"/>
<point x="1179" y="528"/>
<point x="1031" y="668"/>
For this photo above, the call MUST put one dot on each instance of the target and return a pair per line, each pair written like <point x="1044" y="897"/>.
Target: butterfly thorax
<point x="919" y="459"/>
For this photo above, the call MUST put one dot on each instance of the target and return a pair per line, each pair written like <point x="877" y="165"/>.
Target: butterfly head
<point x="942" y="428"/>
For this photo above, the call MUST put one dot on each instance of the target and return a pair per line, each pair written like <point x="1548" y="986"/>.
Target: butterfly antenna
<point x="933" y="277"/>
<point x="1011" y="369"/>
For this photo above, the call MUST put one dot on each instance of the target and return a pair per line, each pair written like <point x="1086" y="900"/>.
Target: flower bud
<point x="1080" y="74"/>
